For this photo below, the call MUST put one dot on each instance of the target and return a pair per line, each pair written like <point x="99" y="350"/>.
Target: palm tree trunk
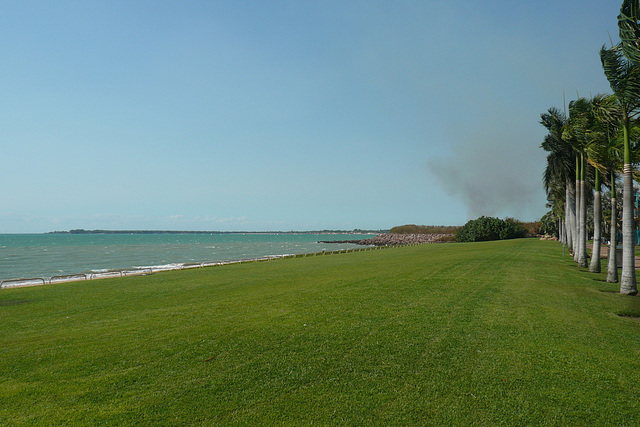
<point x="569" y="214"/>
<point x="597" y="232"/>
<point x="576" y="223"/>
<point x="582" y="248"/>
<point x="628" y="279"/>
<point x="612" y="267"/>
<point x="558" y="233"/>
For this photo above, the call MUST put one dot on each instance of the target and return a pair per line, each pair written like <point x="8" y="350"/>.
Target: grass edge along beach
<point x="505" y="332"/>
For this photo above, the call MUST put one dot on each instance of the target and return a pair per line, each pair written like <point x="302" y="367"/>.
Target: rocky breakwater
<point x="395" y="239"/>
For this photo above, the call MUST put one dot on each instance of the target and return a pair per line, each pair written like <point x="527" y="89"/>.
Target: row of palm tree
<point x="595" y="144"/>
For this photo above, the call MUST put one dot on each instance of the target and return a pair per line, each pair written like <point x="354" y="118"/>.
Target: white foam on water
<point x="23" y="282"/>
<point x="69" y="278"/>
<point x="162" y="267"/>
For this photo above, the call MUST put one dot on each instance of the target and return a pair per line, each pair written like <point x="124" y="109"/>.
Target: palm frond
<point x="579" y="124"/>
<point x="629" y="28"/>
<point x="624" y="78"/>
<point x="554" y="177"/>
<point x="607" y="110"/>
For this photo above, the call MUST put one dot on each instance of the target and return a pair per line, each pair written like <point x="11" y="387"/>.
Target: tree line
<point x="591" y="148"/>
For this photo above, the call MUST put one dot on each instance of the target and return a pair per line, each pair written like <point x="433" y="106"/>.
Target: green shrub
<point x="489" y="228"/>
<point x="549" y="224"/>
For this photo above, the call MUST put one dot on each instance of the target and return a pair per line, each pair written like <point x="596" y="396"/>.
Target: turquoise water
<point x="47" y="255"/>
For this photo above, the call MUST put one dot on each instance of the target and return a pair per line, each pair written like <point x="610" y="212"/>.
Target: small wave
<point x="152" y="252"/>
<point x="278" y="256"/>
<point x="14" y="283"/>
<point x="174" y="266"/>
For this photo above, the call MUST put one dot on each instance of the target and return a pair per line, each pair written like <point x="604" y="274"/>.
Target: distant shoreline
<point x="82" y="231"/>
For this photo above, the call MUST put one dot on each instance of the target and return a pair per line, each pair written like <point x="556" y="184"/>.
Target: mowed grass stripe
<point x="486" y="333"/>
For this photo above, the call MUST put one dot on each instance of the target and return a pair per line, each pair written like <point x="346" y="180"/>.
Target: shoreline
<point x="378" y="242"/>
<point x="328" y="232"/>
<point x="55" y="258"/>
<point x="81" y="277"/>
<point x="127" y="272"/>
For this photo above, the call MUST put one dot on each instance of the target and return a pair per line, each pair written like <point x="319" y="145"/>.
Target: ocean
<point x="51" y="255"/>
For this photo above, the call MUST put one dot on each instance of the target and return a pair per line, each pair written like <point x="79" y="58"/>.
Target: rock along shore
<point x="393" y="239"/>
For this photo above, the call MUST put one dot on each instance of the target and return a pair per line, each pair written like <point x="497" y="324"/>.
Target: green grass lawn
<point x="478" y="333"/>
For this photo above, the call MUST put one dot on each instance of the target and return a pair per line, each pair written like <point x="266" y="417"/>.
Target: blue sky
<point x="284" y="115"/>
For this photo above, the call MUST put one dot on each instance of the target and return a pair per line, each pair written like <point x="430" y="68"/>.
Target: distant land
<point x="82" y="231"/>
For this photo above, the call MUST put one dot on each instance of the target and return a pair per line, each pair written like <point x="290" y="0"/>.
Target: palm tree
<point x="629" y="27"/>
<point x="576" y="133"/>
<point x="605" y="152"/>
<point x="555" y="187"/>
<point x="560" y="169"/>
<point x="624" y="79"/>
